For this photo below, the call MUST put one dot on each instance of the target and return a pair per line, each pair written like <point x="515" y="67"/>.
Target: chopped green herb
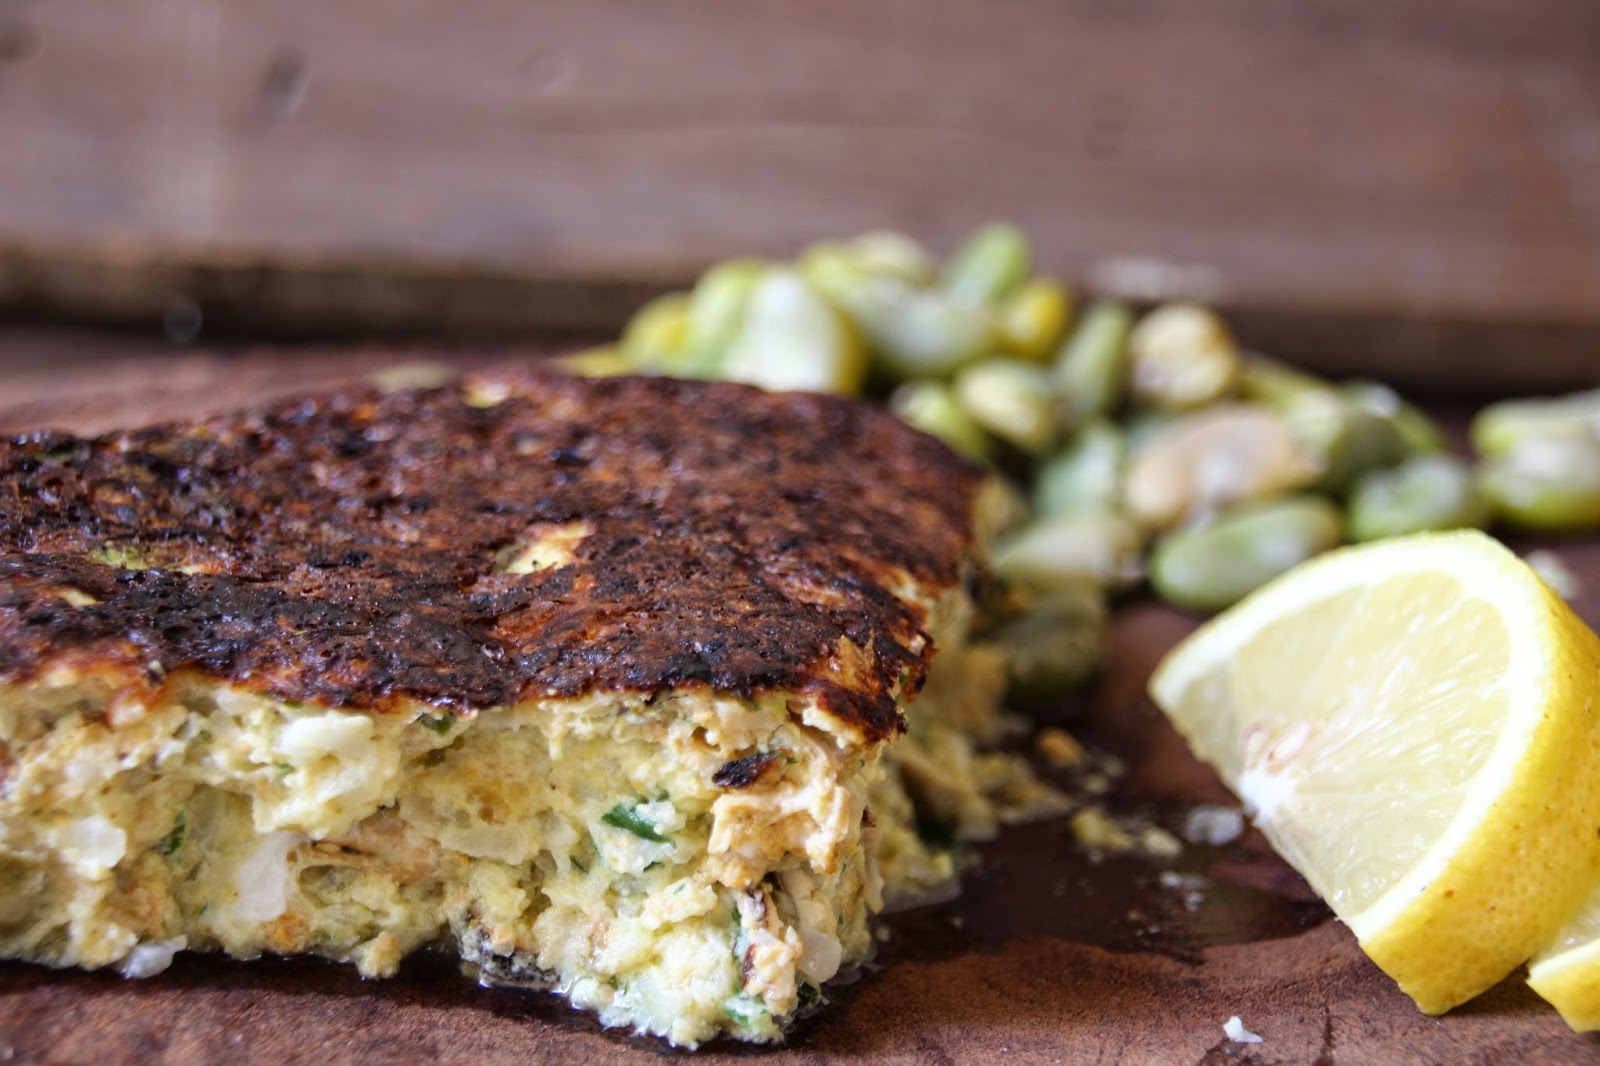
<point x="169" y="844"/>
<point x="281" y="770"/>
<point x="581" y="867"/>
<point x="679" y="887"/>
<point x="203" y="736"/>
<point x="201" y="913"/>
<point x="806" y="995"/>
<point x="439" y="723"/>
<point x="745" y="1010"/>
<point x="626" y="818"/>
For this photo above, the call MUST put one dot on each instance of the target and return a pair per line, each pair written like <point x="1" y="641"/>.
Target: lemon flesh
<point x="1568" y="972"/>
<point x="1412" y="724"/>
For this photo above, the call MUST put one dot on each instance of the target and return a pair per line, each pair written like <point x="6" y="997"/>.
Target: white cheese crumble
<point x="93" y="845"/>
<point x="262" y="880"/>
<point x="1234" y="1029"/>
<point x="340" y="771"/>
<point x="151" y="957"/>
<point x="346" y="737"/>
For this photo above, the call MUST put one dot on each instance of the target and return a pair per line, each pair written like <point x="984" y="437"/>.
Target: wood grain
<point x="1050" y="955"/>
<point x="419" y="165"/>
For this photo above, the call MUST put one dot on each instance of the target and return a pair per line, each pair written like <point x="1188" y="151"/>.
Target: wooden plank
<point x="420" y="165"/>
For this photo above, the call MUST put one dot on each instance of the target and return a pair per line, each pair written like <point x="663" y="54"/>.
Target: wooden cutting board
<point x="1048" y="956"/>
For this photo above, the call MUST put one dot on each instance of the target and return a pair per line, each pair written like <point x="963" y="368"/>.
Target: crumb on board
<point x="1160" y="843"/>
<point x="1059" y="748"/>
<point x="1234" y="1029"/>
<point x="1093" y="828"/>
<point x="1211" y="824"/>
<point x="1190" y="888"/>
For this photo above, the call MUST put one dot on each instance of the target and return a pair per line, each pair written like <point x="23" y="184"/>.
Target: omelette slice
<point x="633" y="689"/>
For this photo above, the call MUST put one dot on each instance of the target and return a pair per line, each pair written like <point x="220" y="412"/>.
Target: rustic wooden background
<point x="1405" y="189"/>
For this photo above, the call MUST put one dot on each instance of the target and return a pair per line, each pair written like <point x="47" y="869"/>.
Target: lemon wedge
<point x="1568" y="972"/>
<point x="1412" y="723"/>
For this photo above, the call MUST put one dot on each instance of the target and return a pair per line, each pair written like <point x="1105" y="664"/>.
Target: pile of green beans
<point x="1138" y="447"/>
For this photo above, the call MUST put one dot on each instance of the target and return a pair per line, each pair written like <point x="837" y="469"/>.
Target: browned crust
<point x="348" y="544"/>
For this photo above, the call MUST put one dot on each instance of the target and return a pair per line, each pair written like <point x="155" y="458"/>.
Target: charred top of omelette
<point x="524" y="534"/>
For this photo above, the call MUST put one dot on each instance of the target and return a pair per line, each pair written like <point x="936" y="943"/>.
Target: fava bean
<point x="791" y="338"/>
<point x="1054" y="645"/>
<point x="1181" y="357"/>
<point x="1211" y="459"/>
<point x="931" y="407"/>
<point x="655" y="336"/>
<point x="1418" y="432"/>
<point x="999" y="508"/>
<point x="1347" y="440"/>
<point x="1548" y="484"/>
<point x="1428" y="491"/>
<point x="1012" y="400"/>
<point x="1067" y="549"/>
<point x="1274" y="383"/>
<point x="914" y="332"/>
<point x="1503" y="428"/>
<point x="716" y="312"/>
<point x="988" y="266"/>
<point x="893" y="254"/>
<point x="1215" y="565"/>
<point x="602" y="362"/>
<point x="1143" y="427"/>
<point x="1085" y="476"/>
<point x="839" y="274"/>
<point x="1090" y="369"/>
<point x="1032" y="319"/>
